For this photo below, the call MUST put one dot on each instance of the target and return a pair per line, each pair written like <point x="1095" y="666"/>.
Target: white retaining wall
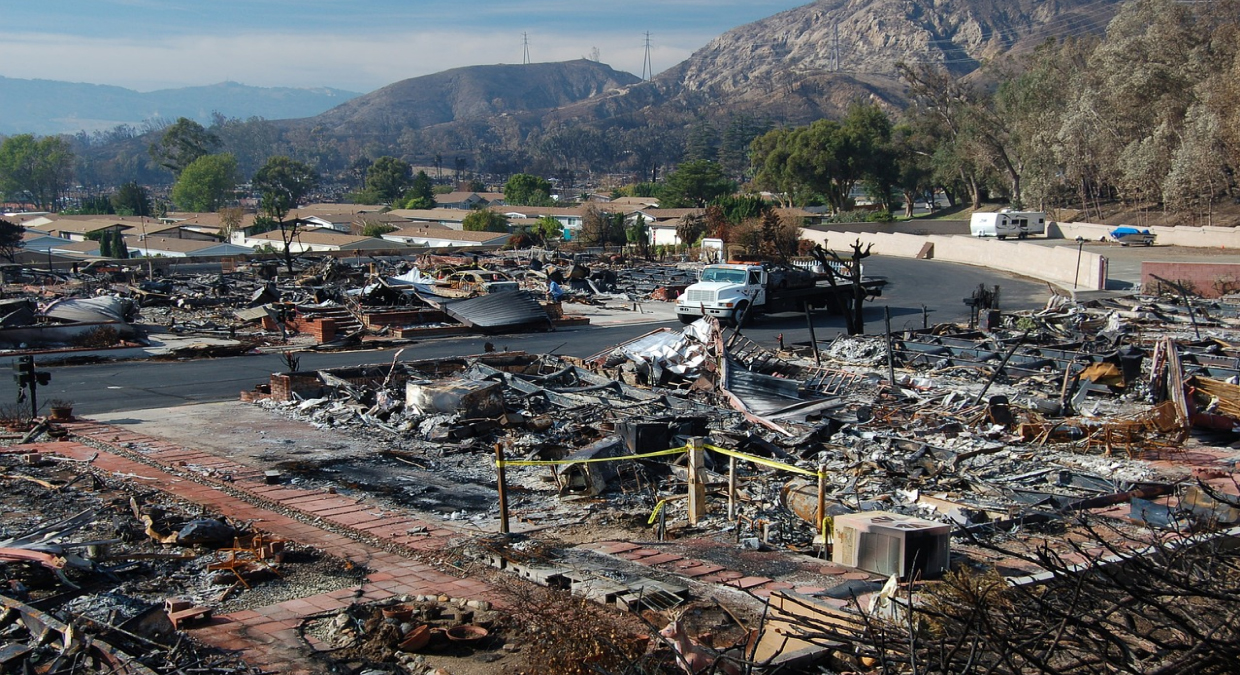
<point x="1056" y="264"/>
<point x="1198" y="237"/>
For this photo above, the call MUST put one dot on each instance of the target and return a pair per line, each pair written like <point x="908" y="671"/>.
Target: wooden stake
<point x="697" y="490"/>
<point x="503" y="488"/>
<point x="731" y="488"/>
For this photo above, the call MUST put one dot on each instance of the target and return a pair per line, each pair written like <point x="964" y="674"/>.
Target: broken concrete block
<point x="471" y="398"/>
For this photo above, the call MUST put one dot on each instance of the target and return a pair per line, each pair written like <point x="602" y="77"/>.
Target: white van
<point x="1004" y="224"/>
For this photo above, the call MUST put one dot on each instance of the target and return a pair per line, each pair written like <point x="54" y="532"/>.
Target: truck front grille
<point x="700" y="296"/>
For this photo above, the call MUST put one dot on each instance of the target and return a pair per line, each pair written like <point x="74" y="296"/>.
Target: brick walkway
<point x="386" y="542"/>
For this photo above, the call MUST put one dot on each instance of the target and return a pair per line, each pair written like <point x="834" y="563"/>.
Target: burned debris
<point x="655" y="475"/>
<point x="106" y="577"/>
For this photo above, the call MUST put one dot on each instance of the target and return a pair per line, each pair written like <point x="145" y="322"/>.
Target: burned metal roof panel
<point x="497" y="310"/>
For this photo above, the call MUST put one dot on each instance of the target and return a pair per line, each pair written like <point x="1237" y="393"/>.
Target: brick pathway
<point x="707" y="572"/>
<point x="386" y="542"/>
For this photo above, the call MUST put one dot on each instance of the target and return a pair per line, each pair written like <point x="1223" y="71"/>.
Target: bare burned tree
<point x="849" y="271"/>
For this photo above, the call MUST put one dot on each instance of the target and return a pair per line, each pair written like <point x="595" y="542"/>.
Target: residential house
<point x="316" y="240"/>
<point x="170" y="247"/>
<point x="441" y="237"/>
<point x="34" y="240"/>
<point x="468" y="200"/>
<point x="445" y="217"/>
<point x="77" y="228"/>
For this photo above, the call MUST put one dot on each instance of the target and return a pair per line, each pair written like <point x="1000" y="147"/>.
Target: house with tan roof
<point x="171" y="247"/>
<point x="76" y="228"/>
<point x="468" y="200"/>
<point x="450" y="218"/>
<point x="307" y="241"/>
<point x="441" y="237"/>
<point x="34" y="240"/>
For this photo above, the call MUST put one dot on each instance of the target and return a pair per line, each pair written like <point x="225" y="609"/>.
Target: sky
<point x="357" y="46"/>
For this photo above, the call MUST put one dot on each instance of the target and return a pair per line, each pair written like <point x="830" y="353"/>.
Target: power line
<point x="647" y="68"/>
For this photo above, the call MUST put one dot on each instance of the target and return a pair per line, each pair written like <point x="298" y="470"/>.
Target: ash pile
<point x="107" y="577"/>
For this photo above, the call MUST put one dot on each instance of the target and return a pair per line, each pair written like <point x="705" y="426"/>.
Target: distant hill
<point x="813" y="61"/>
<point x="793" y="67"/>
<point x="50" y="107"/>
<point x="469" y="93"/>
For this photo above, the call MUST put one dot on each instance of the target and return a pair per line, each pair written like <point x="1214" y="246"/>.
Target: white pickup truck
<point x="734" y="291"/>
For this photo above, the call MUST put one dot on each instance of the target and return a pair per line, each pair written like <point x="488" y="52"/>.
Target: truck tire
<point x="739" y="317"/>
<point x="687" y="319"/>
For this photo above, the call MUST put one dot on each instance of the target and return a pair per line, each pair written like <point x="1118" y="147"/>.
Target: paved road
<point x="135" y="385"/>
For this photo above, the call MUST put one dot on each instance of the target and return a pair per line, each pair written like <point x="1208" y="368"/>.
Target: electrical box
<point x="891" y="543"/>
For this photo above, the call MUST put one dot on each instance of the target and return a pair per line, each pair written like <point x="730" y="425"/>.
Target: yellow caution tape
<point x="762" y="460"/>
<point x="557" y="462"/>
<point x="655" y="513"/>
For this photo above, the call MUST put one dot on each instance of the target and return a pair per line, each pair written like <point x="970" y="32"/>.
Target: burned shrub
<point x="100" y="337"/>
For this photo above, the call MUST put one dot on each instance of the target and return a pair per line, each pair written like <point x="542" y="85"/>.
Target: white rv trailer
<point x="1004" y="224"/>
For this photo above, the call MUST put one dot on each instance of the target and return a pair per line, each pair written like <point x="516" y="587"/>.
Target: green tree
<point x="826" y="157"/>
<point x="638" y="234"/>
<point x="182" y="144"/>
<point x="694" y="184"/>
<point x="377" y="229"/>
<point x="387" y="179"/>
<point x="482" y="220"/>
<point x="281" y="184"/>
<point x="524" y="189"/>
<point x="36" y="170"/>
<point x="690" y="228"/>
<point x="105" y="245"/>
<point x="131" y="199"/>
<point x="119" y="248"/>
<point x="702" y="143"/>
<point x="206" y="184"/>
<point x="546" y="230"/>
<point x="10" y="240"/>
<point x="421" y="193"/>
<point x="739" y="208"/>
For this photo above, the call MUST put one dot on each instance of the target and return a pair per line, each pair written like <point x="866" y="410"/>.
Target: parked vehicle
<point x="1004" y="224"/>
<point x="732" y="292"/>
<point x="1130" y="235"/>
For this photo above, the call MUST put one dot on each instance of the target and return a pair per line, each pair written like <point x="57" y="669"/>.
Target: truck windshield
<point x="724" y="275"/>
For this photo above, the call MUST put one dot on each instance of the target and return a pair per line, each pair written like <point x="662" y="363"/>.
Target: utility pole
<point x="525" y="42"/>
<point x="647" y="68"/>
<point x="835" y="50"/>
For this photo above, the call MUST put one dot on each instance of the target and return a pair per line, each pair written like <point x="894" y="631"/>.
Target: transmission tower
<point x="525" y="42"/>
<point x="835" y="50"/>
<point x="647" y="68"/>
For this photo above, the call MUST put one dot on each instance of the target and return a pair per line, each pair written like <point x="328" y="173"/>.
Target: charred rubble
<point x="988" y="444"/>
<point x="329" y="301"/>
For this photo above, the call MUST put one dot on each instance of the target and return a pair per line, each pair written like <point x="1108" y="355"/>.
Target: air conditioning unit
<point x="891" y="543"/>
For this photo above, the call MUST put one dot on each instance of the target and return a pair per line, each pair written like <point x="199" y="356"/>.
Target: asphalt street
<point x="912" y="284"/>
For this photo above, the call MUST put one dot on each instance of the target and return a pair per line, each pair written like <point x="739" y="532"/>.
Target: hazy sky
<point x="359" y="46"/>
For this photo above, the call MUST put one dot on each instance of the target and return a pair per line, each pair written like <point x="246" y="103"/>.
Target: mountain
<point x="470" y="93"/>
<point x="794" y="67"/>
<point x="50" y="107"/>
<point x="813" y="61"/>
<point x="580" y="116"/>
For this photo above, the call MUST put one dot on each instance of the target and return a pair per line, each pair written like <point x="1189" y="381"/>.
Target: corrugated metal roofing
<point x="762" y="394"/>
<point x="495" y="310"/>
